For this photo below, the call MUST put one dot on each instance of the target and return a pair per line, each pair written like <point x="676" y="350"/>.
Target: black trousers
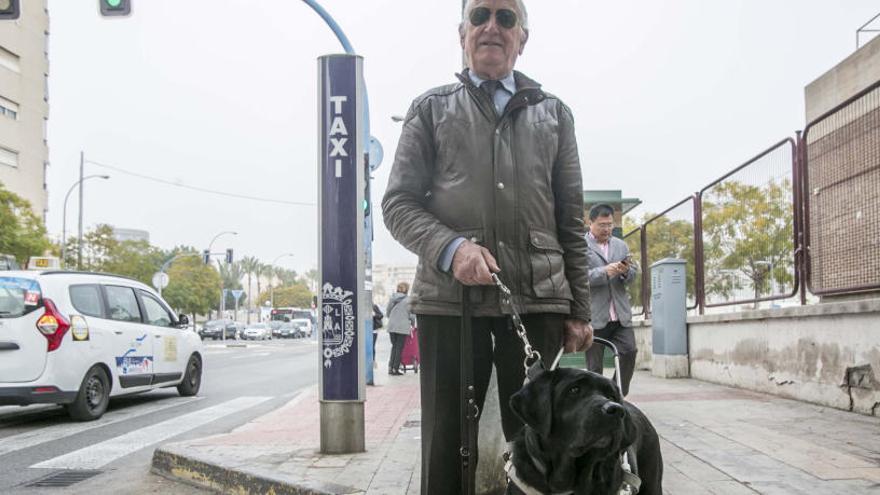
<point x="397" y="342"/>
<point x="625" y="340"/>
<point x="439" y="348"/>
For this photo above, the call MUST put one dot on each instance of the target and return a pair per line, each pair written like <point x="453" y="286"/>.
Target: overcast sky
<point x="221" y="94"/>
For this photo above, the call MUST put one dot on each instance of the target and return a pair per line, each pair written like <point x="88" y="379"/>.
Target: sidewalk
<point x="714" y="439"/>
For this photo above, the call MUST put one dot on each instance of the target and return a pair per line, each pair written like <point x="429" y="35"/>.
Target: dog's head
<point x="575" y="411"/>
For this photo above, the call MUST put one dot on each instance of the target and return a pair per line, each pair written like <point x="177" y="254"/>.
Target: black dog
<point x="577" y="426"/>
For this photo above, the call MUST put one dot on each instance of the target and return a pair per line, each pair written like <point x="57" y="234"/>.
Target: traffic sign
<point x="236" y="294"/>
<point x="160" y="280"/>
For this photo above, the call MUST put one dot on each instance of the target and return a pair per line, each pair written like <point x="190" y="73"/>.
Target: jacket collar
<point x="528" y="92"/>
<point x="592" y="244"/>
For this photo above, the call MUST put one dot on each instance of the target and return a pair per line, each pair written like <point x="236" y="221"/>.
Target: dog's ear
<point x="630" y="432"/>
<point x="533" y="404"/>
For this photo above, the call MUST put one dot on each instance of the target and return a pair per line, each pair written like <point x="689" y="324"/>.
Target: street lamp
<point x="272" y="282"/>
<point x="218" y="235"/>
<point x="222" y="294"/>
<point x="64" y="213"/>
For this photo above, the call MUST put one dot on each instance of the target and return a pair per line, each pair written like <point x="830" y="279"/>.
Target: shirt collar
<point x="591" y="236"/>
<point x="508" y="82"/>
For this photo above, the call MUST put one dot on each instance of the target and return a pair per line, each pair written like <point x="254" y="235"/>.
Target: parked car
<point x="215" y="329"/>
<point x="7" y="262"/>
<point x="78" y="339"/>
<point x="303" y="327"/>
<point x="257" y="331"/>
<point x="285" y="330"/>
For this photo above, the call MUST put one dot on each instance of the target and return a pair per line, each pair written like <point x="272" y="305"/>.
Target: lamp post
<point x="64" y="214"/>
<point x="272" y="282"/>
<point x="222" y="294"/>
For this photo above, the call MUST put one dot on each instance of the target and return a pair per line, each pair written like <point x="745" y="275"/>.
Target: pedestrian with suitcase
<point x="400" y="323"/>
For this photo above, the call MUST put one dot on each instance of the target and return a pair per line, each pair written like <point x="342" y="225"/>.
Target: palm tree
<point x="259" y="271"/>
<point x="231" y="275"/>
<point x="249" y="266"/>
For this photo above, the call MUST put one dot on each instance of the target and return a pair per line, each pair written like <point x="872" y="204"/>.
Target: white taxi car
<point x="77" y="339"/>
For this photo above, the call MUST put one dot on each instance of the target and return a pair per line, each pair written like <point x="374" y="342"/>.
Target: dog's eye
<point x="574" y="390"/>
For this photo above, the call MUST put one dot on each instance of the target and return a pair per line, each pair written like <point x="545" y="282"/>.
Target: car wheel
<point x="192" y="379"/>
<point x="93" y="396"/>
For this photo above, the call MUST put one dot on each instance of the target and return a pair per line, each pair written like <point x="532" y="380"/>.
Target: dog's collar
<point x="630" y="485"/>
<point x="522" y="485"/>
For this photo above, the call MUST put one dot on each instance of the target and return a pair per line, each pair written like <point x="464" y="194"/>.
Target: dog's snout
<point x="613" y="409"/>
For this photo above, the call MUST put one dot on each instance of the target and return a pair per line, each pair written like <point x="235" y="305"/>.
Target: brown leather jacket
<point x="511" y="183"/>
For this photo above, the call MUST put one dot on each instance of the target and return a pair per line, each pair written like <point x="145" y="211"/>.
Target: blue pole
<point x="368" y="227"/>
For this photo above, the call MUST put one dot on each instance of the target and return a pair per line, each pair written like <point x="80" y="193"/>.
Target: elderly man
<point x="487" y="179"/>
<point x="611" y="270"/>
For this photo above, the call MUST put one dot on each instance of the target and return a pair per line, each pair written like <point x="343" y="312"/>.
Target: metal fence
<point x="841" y="168"/>
<point x="802" y="215"/>
<point x="633" y="241"/>
<point x="747" y="231"/>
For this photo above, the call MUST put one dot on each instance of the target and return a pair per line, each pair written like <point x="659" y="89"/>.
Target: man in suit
<point x="611" y="270"/>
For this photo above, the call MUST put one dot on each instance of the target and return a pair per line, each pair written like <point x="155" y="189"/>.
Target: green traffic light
<point x="114" y="3"/>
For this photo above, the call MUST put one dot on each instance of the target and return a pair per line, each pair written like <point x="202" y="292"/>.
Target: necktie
<point x="490" y="87"/>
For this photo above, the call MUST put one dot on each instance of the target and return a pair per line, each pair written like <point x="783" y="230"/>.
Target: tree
<point x="135" y="259"/>
<point x="231" y="275"/>
<point x="23" y="233"/>
<point x="666" y="239"/>
<point x="296" y="295"/>
<point x="249" y="265"/>
<point x="193" y="288"/>
<point x="748" y="230"/>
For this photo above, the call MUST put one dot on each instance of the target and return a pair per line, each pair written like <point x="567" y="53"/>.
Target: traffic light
<point x="229" y="256"/>
<point x="206" y="255"/>
<point x="113" y="7"/>
<point x="9" y="9"/>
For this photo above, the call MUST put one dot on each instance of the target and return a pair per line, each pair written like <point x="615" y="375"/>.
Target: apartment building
<point x="24" y="104"/>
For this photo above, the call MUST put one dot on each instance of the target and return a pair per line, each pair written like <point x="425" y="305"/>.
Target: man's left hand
<point x="578" y="335"/>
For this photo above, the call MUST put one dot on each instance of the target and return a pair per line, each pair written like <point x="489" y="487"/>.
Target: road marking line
<point x="259" y="354"/>
<point x="103" y="453"/>
<point x="51" y="433"/>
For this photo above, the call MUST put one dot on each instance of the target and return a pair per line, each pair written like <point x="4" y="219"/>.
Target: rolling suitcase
<point x="409" y="357"/>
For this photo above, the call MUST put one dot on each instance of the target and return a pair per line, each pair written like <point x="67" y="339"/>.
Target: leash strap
<point x="469" y="408"/>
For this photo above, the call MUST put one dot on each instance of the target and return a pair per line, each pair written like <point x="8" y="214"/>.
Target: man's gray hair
<point x="520" y="7"/>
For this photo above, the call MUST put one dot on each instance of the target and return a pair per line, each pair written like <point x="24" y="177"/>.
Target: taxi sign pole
<point x="342" y="304"/>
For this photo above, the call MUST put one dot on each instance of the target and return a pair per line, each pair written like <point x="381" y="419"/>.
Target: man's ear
<point x="525" y="38"/>
<point x="533" y="404"/>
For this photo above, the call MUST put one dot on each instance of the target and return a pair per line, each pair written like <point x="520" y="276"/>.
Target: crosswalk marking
<point x="246" y="356"/>
<point x="51" y="433"/>
<point x="101" y="454"/>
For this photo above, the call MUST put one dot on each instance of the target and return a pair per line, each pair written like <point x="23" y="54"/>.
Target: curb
<point x="178" y="467"/>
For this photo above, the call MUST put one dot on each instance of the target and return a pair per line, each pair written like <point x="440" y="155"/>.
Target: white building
<point x="386" y="278"/>
<point x="24" y="104"/>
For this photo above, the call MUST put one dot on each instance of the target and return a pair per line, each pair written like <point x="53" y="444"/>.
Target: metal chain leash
<point x="532" y="355"/>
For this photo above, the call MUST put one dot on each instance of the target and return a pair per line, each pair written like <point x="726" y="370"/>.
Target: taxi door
<point x="132" y="345"/>
<point x="170" y="360"/>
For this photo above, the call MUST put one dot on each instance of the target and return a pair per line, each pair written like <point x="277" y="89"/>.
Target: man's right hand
<point x="615" y="269"/>
<point x="473" y="264"/>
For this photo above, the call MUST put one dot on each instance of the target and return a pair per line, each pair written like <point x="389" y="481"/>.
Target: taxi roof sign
<point x="44" y="263"/>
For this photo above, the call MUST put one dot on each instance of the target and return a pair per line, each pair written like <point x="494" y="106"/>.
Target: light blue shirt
<point x="508" y="85"/>
<point x="502" y="96"/>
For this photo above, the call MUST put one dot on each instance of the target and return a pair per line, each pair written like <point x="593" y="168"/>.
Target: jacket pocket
<point x="548" y="265"/>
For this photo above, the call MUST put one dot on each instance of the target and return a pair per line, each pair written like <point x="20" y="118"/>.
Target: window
<point x="157" y="315"/>
<point x="8" y="157"/>
<point x="8" y="108"/>
<point x="122" y="304"/>
<point x="9" y="60"/>
<point x="87" y="300"/>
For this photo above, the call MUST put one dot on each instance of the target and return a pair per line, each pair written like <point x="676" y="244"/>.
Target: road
<point x="239" y="384"/>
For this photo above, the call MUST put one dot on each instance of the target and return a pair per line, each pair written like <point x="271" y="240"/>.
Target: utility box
<point x="669" y="318"/>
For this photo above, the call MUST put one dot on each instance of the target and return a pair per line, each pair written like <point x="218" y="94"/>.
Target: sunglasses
<point x="505" y="18"/>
